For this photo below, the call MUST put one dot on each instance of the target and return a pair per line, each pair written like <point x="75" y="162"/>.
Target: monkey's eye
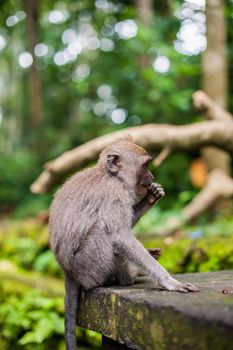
<point x="145" y="164"/>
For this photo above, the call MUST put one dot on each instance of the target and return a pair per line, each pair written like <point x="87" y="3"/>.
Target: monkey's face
<point x="132" y="169"/>
<point x="144" y="177"/>
<point x="129" y="162"/>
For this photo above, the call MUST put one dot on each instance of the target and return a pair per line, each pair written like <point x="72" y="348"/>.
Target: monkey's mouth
<point x="142" y="190"/>
<point x="148" y="187"/>
<point x="147" y="184"/>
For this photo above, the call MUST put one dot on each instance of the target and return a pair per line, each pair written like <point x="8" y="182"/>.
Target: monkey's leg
<point x="71" y="303"/>
<point x="125" y="270"/>
<point x="130" y="247"/>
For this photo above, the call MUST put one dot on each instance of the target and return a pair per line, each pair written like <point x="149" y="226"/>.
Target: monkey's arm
<point x="129" y="246"/>
<point x="155" y="193"/>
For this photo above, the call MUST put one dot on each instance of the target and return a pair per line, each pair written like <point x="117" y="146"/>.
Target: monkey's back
<point x="73" y="204"/>
<point x="79" y="218"/>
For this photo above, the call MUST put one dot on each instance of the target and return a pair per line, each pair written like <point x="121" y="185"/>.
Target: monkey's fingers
<point x="186" y="288"/>
<point x="190" y="287"/>
<point x="156" y="190"/>
<point x="154" y="186"/>
<point x="181" y="290"/>
<point x="174" y="285"/>
<point x="159" y="193"/>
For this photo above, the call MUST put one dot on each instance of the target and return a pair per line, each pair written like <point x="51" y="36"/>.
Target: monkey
<point x="90" y="224"/>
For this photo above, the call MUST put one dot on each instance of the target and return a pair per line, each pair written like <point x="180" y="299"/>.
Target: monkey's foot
<point x="155" y="252"/>
<point x="172" y="284"/>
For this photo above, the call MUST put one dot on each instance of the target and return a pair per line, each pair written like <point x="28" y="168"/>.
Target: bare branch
<point x="214" y="158"/>
<point x="150" y="136"/>
<point x="44" y="183"/>
<point x="219" y="186"/>
<point x="162" y="156"/>
<point x="202" y="102"/>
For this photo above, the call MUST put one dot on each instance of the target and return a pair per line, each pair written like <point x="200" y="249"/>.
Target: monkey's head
<point x="128" y="162"/>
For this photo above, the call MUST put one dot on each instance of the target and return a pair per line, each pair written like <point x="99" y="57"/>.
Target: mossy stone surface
<point x="146" y="318"/>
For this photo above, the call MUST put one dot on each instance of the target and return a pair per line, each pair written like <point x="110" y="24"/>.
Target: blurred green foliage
<point x="211" y="224"/>
<point x="33" y="319"/>
<point x="74" y="110"/>
<point x="199" y="255"/>
<point x="16" y="173"/>
<point x="36" y="321"/>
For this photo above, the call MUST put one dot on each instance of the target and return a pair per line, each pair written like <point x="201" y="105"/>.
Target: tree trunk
<point x="215" y="57"/>
<point x="215" y="74"/>
<point x="31" y="7"/>
<point x="144" y="10"/>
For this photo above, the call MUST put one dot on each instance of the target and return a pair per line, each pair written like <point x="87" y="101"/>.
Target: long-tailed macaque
<point x="90" y="226"/>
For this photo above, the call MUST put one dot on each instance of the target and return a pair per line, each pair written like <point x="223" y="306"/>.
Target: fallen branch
<point x="151" y="136"/>
<point x="162" y="156"/>
<point x="218" y="186"/>
<point x="202" y="102"/>
<point x="214" y="158"/>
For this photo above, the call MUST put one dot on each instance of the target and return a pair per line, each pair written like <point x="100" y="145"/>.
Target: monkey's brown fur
<point x="90" y="226"/>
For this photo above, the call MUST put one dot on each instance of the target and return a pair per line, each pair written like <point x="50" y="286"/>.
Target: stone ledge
<point x="145" y="318"/>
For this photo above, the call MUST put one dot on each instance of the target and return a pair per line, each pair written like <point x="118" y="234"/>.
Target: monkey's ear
<point x="113" y="163"/>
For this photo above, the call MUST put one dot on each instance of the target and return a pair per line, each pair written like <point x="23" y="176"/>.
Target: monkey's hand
<point x="171" y="284"/>
<point x="155" y="192"/>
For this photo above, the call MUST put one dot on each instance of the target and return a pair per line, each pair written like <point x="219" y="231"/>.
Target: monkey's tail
<point x="72" y="290"/>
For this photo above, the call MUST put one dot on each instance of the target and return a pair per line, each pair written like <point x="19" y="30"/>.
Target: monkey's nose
<point x="149" y="181"/>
